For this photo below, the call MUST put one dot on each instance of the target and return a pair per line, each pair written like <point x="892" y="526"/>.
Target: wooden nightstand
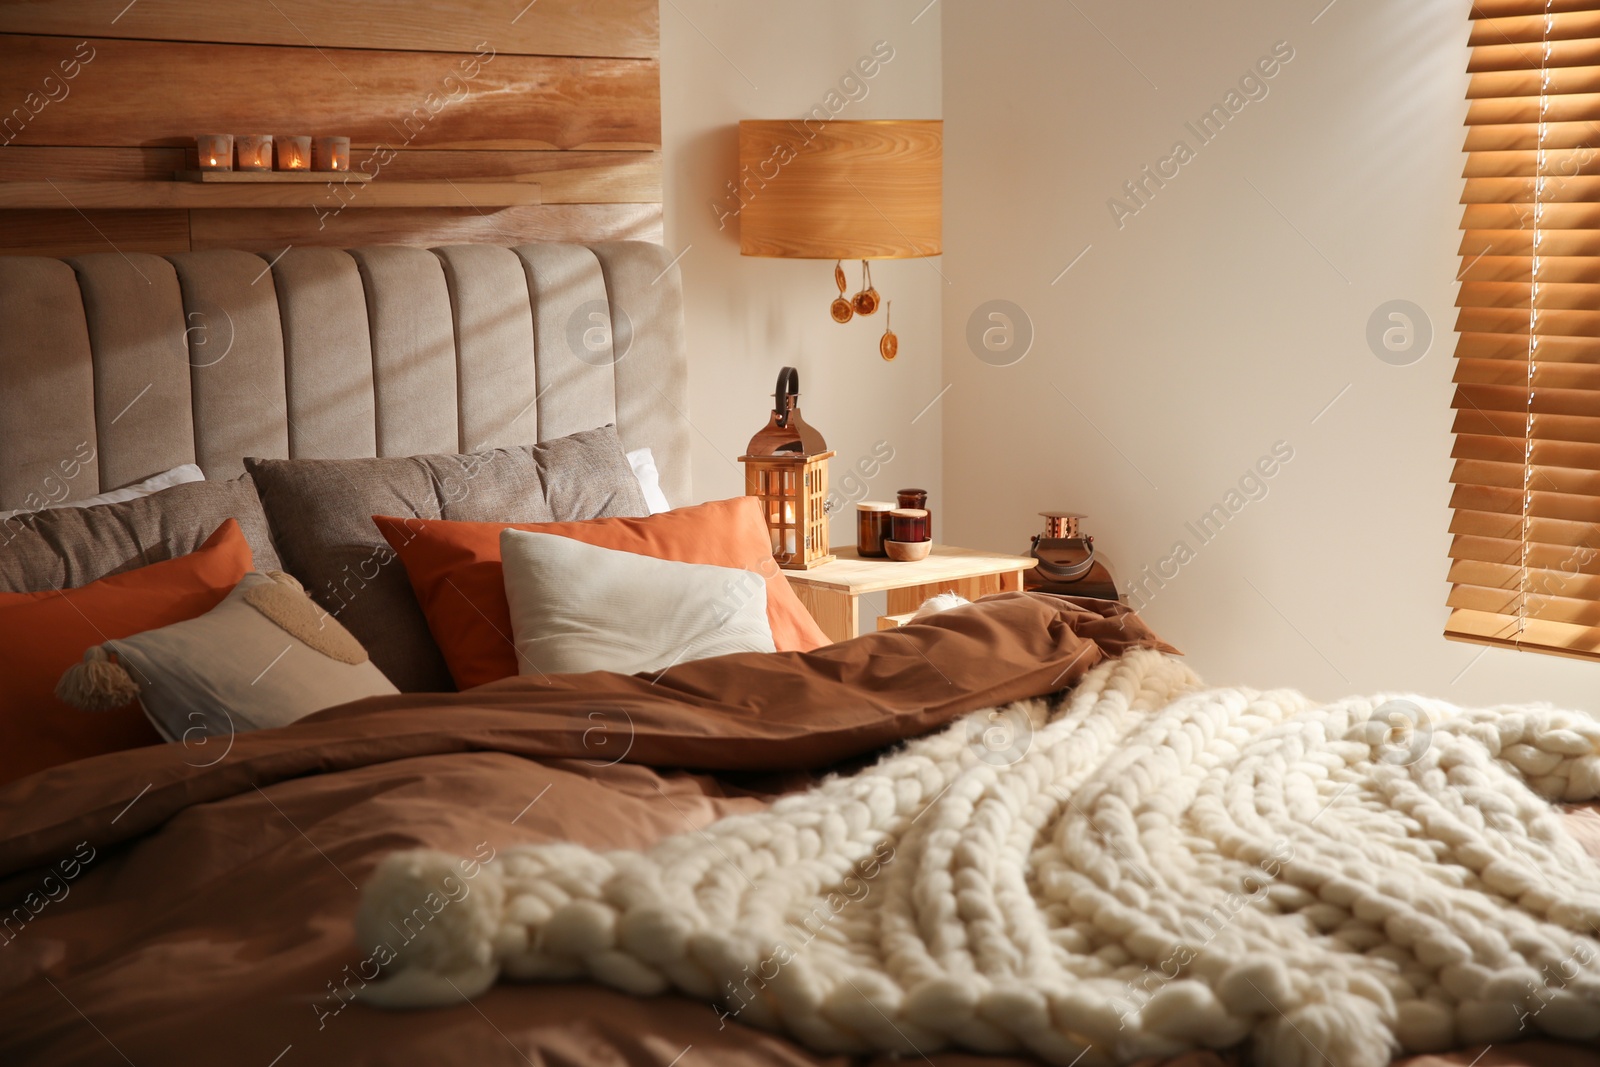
<point x="830" y="592"/>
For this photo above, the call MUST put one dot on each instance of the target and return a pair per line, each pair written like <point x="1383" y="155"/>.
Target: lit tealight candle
<point x="331" y="153"/>
<point x="255" y="151"/>
<point x="215" y="150"/>
<point x="294" y="153"/>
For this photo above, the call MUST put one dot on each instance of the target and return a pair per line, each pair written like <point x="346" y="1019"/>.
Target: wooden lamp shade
<point x="841" y="190"/>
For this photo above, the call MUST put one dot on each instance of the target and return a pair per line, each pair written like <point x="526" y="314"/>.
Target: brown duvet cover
<point x="195" y="903"/>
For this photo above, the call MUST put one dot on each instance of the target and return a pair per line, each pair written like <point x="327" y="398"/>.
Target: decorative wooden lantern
<point x="786" y="468"/>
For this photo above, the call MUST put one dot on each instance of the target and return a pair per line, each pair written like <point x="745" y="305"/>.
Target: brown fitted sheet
<point x="217" y="911"/>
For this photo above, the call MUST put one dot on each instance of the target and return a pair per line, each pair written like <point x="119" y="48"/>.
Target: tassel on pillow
<point x="99" y="683"/>
<point x="285" y="578"/>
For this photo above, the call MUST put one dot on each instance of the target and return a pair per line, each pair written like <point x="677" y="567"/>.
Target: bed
<point x="187" y="902"/>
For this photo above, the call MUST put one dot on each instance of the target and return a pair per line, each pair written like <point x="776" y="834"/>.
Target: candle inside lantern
<point x="294" y="153"/>
<point x="331" y="153"/>
<point x="214" y="150"/>
<point x="255" y="151"/>
<point x="788" y="529"/>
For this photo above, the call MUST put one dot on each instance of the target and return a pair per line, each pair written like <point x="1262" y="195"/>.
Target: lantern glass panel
<point x="792" y="491"/>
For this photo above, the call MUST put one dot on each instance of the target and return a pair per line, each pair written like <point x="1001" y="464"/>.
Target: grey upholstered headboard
<point x="208" y="357"/>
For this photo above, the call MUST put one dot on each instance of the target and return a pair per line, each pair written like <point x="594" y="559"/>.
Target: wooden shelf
<point x="167" y="195"/>
<point x="226" y="177"/>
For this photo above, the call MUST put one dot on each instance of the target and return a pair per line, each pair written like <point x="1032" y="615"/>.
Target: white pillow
<point x="649" y="479"/>
<point x="264" y="657"/>
<point x="577" y="607"/>
<point x="149" y="487"/>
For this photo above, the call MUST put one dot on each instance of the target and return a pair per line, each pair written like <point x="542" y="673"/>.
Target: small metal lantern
<point x="1067" y="563"/>
<point x="786" y="468"/>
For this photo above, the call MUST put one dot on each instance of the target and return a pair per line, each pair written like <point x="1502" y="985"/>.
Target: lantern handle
<point x="785" y="394"/>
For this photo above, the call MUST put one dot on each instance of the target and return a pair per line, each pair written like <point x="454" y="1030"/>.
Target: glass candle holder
<point x="214" y="151"/>
<point x="872" y="528"/>
<point x="915" y="498"/>
<point x="294" y="153"/>
<point x="909" y="525"/>
<point x="330" y="153"/>
<point x="254" y="151"/>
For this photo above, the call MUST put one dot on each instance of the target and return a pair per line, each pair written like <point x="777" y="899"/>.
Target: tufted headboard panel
<point x="146" y="362"/>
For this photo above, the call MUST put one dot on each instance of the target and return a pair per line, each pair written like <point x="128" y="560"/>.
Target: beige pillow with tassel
<point x="264" y="657"/>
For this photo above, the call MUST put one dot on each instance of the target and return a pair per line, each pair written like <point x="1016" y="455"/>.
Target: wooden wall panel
<point x="561" y="94"/>
<point x="564" y="177"/>
<point x="621" y="28"/>
<point x="19" y="163"/>
<point x="157" y="92"/>
<point x="72" y="233"/>
<point x="271" y="230"/>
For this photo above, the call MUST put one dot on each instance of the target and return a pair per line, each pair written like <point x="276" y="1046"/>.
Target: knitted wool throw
<point x="1153" y="868"/>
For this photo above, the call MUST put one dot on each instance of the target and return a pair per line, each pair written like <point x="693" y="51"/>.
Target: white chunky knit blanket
<point x="1154" y="867"/>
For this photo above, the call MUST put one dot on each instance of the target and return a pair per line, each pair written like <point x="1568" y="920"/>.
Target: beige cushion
<point x="578" y="607"/>
<point x="68" y="547"/>
<point x="236" y="669"/>
<point x="321" y="515"/>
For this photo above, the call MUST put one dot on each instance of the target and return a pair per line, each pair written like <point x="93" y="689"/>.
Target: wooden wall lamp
<point x="842" y="190"/>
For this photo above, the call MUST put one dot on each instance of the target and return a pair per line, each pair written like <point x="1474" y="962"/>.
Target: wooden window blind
<point x="1525" y="547"/>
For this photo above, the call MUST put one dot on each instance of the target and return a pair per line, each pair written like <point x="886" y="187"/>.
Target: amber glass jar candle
<point x="909" y="525"/>
<point x="872" y="528"/>
<point x="915" y="498"/>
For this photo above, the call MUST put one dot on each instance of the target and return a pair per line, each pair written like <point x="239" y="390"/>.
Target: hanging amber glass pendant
<point x="888" y="344"/>
<point x="841" y="309"/>
<point x="866" y="301"/>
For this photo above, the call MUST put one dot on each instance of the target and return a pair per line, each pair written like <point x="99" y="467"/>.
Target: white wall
<point x="726" y="60"/>
<point x="1221" y="318"/>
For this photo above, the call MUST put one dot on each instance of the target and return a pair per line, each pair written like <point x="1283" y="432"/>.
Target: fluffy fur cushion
<point x="1153" y="868"/>
<point x="939" y="602"/>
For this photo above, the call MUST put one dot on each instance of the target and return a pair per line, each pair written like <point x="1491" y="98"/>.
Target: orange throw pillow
<point x="455" y="570"/>
<point x="42" y="634"/>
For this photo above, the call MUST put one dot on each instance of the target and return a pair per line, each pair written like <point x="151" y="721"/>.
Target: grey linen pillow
<point x="68" y="547"/>
<point x="321" y="513"/>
